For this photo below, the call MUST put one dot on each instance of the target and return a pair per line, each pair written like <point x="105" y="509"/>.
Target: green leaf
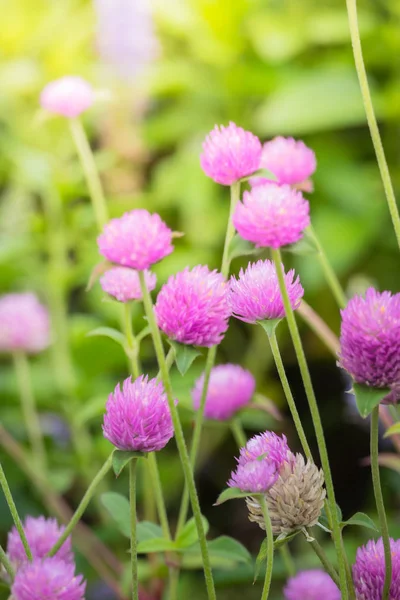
<point x="393" y="430"/>
<point x="184" y="356"/>
<point x="281" y="541"/>
<point x="226" y="547"/>
<point x="261" y="557"/>
<point x="148" y="531"/>
<point x="265" y="173"/>
<point x="231" y="494"/>
<point x="118" y="508"/>
<point x="324" y="517"/>
<point x="269" y="325"/>
<point x="156" y="545"/>
<point x="241" y="247"/>
<point x="367" y="398"/>
<point x="142" y="334"/>
<point x="189" y="535"/>
<point x="109" y="332"/>
<point x="362" y="520"/>
<point x="121" y="458"/>
<point x="303" y="247"/>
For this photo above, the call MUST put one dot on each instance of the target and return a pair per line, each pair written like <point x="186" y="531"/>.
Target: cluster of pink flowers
<point x="369" y="571"/>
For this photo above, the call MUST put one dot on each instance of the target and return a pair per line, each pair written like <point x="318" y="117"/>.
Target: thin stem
<point x="4" y="560"/>
<point x="90" y="170"/>
<point x="288" y="560"/>
<point x="376" y="481"/>
<point x="159" y="496"/>
<point x="288" y="394"/>
<point x="319" y="432"/>
<point x="180" y="440"/>
<point x="320" y="552"/>
<point x="28" y="403"/>
<point x="238" y="433"/>
<point x="173" y="584"/>
<point x="14" y="513"/>
<point x="270" y="548"/>
<point x="132" y="502"/>
<point x="230" y="229"/>
<point x="130" y="340"/>
<point x="372" y="123"/>
<point x="82" y="506"/>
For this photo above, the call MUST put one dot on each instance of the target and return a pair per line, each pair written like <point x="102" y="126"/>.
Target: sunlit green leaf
<point x="189" y="535"/>
<point x="121" y="458"/>
<point x="362" y="520"/>
<point x="240" y="247"/>
<point x="109" y="332"/>
<point x="231" y="494"/>
<point x="184" y="356"/>
<point x="367" y="398"/>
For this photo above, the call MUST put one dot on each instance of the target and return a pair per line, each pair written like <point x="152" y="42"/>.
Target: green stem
<point x="230" y="229"/>
<point x="32" y="423"/>
<point x="159" y="496"/>
<point x="372" y="123"/>
<point x="130" y="340"/>
<point x="14" y="513"/>
<point x="319" y="432"/>
<point x="320" y="552"/>
<point x="288" y="560"/>
<point x="82" y="506"/>
<point x="270" y="548"/>
<point x="238" y="433"/>
<point x="288" y="394"/>
<point x="90" y="170"/>
<point x="4" y="560"/>
<point x="173" y="584"/>
<point x="379" y="501"/>
<point x="180" y="440"/>
<point x="132" y="502"/>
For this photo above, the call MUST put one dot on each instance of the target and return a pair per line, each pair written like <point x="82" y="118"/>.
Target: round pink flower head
<point x="370" y="339"/>
<point x="48" y="579"/>
<point x="138" y="239"/>
<point x="137" y="416"/>
<point x="230" y="153"/>
<point x="41" y="534"/>
<point x="369" y="571"/>
<point x="314" y="584"/>
<point x="255" y="476"/>
<point x="268" y="447"/>
<point x="69" y="96"/>
<point x="272" y="216"/>
<point x="291" y="161"/>
<point x="255" y="295"/>
<point x="230" y="388"/>
<point x="192" y="307"/>
<point x="123" y="283"/>
<point x="24" y="324"/>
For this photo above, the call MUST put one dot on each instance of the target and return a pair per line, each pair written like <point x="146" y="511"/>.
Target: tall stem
<point x="230" y="229"/>
<point x="376" y="481"/>
<point x="180" y="440"/>
<point x="320" y="552"/>
<point x="238" y="433"/>
<point x="159" y="496"/>
<point x="132" y="502"/>
<point x="319" y="432"/>
<point x="270" y="548"/>
<point x="14" y="513"/>
<point x="372" y="123"/>
<point x="130" y="340"/>
<point x="90" y="170"/>
<point x="287" y="560"/>
<point x="4" y="560"/>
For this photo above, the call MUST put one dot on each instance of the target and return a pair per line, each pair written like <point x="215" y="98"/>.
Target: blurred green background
<point x="275" y="67"/>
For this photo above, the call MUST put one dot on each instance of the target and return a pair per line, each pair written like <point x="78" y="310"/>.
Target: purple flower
<point x="138" y="239"/>
<point x="69" y="96"/>
<point x="370" y="339"/>
<point x="369" y="571"/>
<point x="41" y="534"/>
<point x="272" y="216"/>
<point x="24" y="324"/>
<point x="230" y="153"/>
<point x="314" y="584"/>
<point x="192" y="307"/>
<point x="256" y="296"/>
<point x="289" y="160"/>
<point x="123" y="283"/>
<point x="271" y="447"/>
<point x="256" y="476"/>
<point x="138" y="417"/>
<point x="230" y="387"/>
<point x="48" y="579"/>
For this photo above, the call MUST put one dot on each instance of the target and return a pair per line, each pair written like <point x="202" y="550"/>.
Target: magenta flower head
<point x="41" y="534"/>
<point x="230" y="388"/>
<point x="69" y="96"/>
<point x="369" y="571"/>
<point x="255" y="295"/>
<point x="138" y="239"/>
<point x="370" y="339"/>
<point x="272" y="216"/>
<point x="137" y="416"/>
<point x="230" y="153"/>
<point x="255" y="476"/>
<point x="123" y="283"/>
<point x="267" y="446"/>
<point x="49" y="578"/>
<point x="291" y="161"/>
<point x="192" y="307"/>
<point x="314" y="584"/>
<point x="24" y="324"/>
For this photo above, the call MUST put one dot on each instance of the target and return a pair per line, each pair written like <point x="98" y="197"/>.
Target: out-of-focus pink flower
<point x="41" y="534"/>
<point x="255" y="476"/>
<point x="69" y="96"/>
<point x="314" y="584"/>
<point x="48" y="578"/>
<point x="369" y="571"/>
<point x="123" y="283"/>
<point x="230" y="153"/>
<point x="24" y="324"/>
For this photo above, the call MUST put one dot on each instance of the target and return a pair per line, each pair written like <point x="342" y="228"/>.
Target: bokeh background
<point x="274" y="67"/>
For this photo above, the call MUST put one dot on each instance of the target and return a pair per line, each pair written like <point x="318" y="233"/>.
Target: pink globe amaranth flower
<point x="269" y="446"/>
<point x="230" y="388"/>
<point x="370" y="339"/>
<point x="138" y="239"/>
<point x="123" y="283"/>
<point x="69" y="96"/>
<point x="230" y="153"/>
<point x="272" y="216"/>
<point x="255" y="295"/>
<point x="192" y="307"/>
<point x="369" y="571"/>
<point x="41" y="534"/>
<point x="48" y="579"/>
<point x="314" y="584"/>
<point x="137" y="416"/>
<point x="290" y="160"/>
<point x="24" y="324"/>
<point x="255" y="476"/>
